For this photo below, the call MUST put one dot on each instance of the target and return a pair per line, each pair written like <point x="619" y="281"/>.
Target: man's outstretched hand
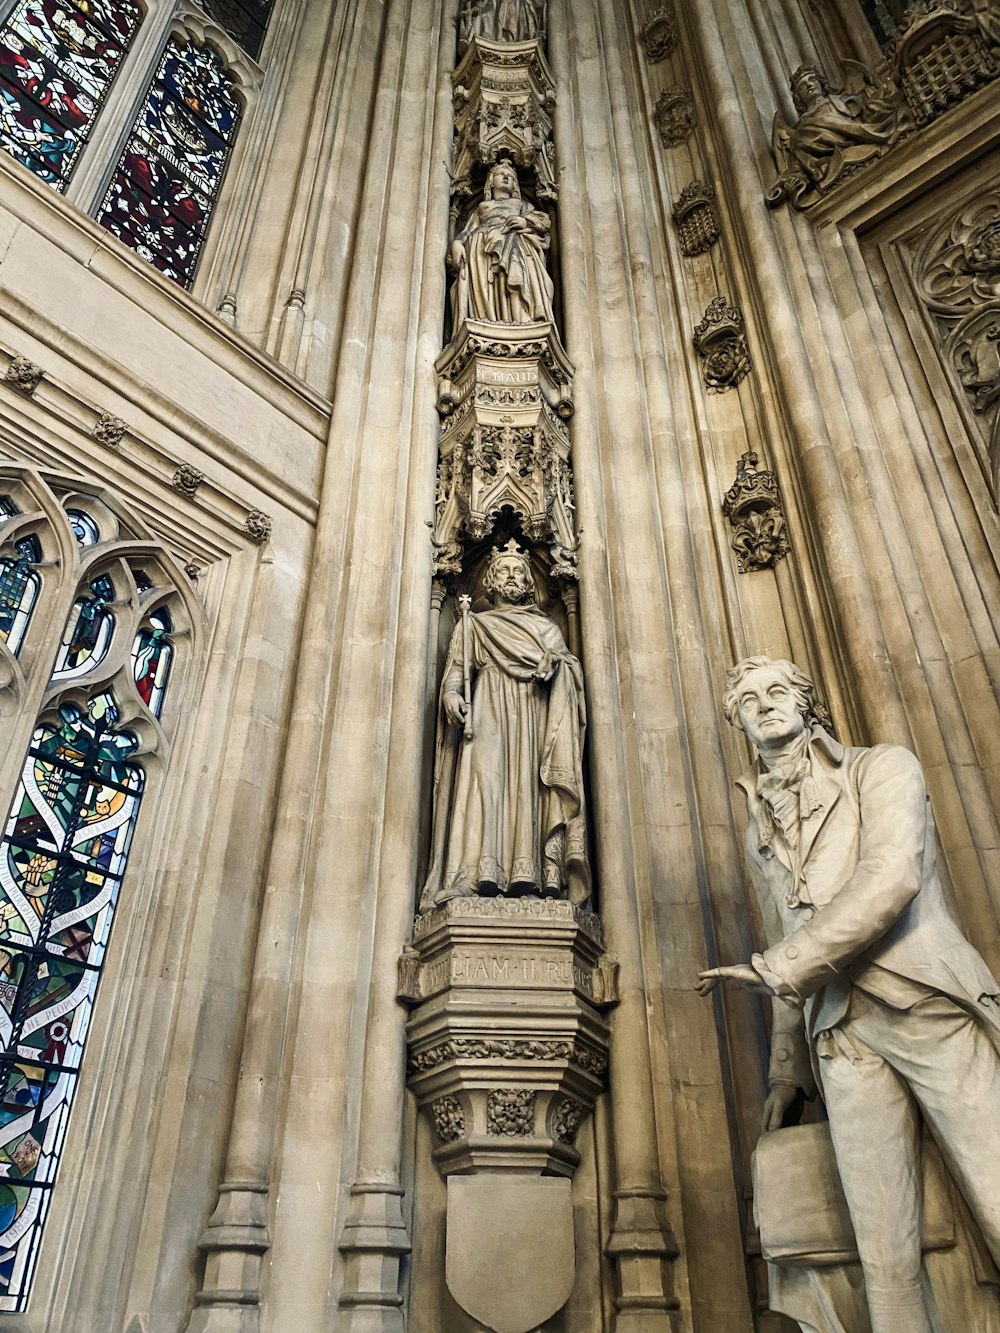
<point x="742" y="975"/>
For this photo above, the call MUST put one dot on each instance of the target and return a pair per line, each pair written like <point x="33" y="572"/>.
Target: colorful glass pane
<point x="19" y="589"/>
<point x="57" y="61"/>
<point x="85" y="530"/>
<point x="88" y="633"/>
<point x="151" y="659"/>
<point x="165" y="185"/>
<point x="62" y="859"/>
<point x="244" y="20"/>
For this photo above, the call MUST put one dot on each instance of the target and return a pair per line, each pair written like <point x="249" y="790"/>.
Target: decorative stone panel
<point x="720" y="340"/>
<point x="658" y="35"/>
<point x="696" y="217"/>
<point x="674" y="116"/>
<point x="753" y="507"/>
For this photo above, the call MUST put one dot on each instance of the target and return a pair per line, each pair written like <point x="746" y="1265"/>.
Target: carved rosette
<point x="109" y="430"/>
<point x="504" y="95"/>
<point x="507" y="1040"/>
<point x="696" y="217"/>
<point x="753" y="506"/>
<point x="674" y="116"/>
<point x="504" y="394"/>
<point x="23" y="375"/>
<point x="720" y="341"/>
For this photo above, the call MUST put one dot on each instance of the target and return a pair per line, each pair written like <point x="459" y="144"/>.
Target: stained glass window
<point x="85" y="530"/>
<point x="57" y="61"/>
<point x="166" y="184"/>
<point x="62" y="860"/>
<point x="88" y="632"/>
<point x="244" y="20"/>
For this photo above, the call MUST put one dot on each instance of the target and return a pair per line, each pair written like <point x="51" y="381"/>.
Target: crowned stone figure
<point x="499" y="256"/>
<point x="509" y="812"/>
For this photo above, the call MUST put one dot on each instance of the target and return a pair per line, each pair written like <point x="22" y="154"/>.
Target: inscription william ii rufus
<point x="511" y="968"/>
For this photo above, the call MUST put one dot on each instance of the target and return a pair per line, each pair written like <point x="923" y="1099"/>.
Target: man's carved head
<point x="508" y="575"/>
<point x="743" y="689"/>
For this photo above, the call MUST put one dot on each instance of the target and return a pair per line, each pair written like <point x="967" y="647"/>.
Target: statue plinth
<point x="507" y="1042"/>
<point x="507" y="1051"/>
<point x="505" y="398"/>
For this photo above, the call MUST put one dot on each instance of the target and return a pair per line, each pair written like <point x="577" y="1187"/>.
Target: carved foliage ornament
<point x="674" y="116"/>
<point x="720" y="340"/>
<point x="753" y="508"/>
<point x="257" y="526"/>
<point x="567" y="1119"/>
<point x="956" y="270"/>
<point x="942" y="51"/>
<point x="449" y="1119"/>
<point x="510" y="1112"/>
<point x="187" y="479"/>
<point x="23" y="375"/>
<point x="658" y="35"/>
<point x="696" y="217"/>
<point x="109" y="430"/>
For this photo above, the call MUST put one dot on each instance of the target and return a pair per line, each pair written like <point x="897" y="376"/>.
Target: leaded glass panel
<point x="88" y="632"/>
<point x="62" y="859"/>
<point x="85" y="530"/>
<point x="166" y="183"/>
<point x="19" y="589"/>
<point x="57" y="61"/>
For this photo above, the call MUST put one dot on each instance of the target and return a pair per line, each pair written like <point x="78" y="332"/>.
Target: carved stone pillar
<point x="508" y="1049"/>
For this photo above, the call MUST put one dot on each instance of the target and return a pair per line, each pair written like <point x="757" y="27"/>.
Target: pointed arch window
<point x="166" y="183"/>
<point x="64" y="849"/>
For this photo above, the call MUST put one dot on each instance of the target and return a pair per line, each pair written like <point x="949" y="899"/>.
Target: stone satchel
<point x="799" y="1204"/>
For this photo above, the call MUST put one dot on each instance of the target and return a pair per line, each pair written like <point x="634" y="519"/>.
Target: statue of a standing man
<point x="901" y="1014"/>
<point x="508" y="785"/>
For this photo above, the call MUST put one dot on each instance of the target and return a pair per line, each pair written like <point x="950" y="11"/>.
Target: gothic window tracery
<point x="70" y="825"/>
<point x="58" y="60"/>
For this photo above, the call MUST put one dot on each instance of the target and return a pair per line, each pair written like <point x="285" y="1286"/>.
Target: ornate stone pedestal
<point x="507" y="1051"/>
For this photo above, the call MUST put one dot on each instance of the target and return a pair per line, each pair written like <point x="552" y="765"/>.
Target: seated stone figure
<point x="837" y="129"/>
<point x="884" y="1002"/>
<point x="499" y="256"/>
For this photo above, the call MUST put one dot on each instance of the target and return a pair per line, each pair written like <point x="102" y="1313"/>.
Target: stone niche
<point x="507" y="1051"/>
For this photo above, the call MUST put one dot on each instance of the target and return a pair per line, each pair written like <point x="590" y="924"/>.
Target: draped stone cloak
<point x="504" y="279"/>
<point x="509" y="812"/>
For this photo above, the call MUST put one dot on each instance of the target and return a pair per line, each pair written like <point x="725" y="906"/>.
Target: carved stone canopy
<point x="504" y="393"/>
<point x="504" y="95"/>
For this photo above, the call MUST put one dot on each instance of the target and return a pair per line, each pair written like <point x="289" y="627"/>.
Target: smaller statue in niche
<point x="499" y="256"/>
<point x="509" y="814"/>
<point x="838" y="129"/>
<point x="502" y="20"/>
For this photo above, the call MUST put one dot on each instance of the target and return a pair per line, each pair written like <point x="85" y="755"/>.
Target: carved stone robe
<point x="504" y="279"/>
<point x="509" y="804"/>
